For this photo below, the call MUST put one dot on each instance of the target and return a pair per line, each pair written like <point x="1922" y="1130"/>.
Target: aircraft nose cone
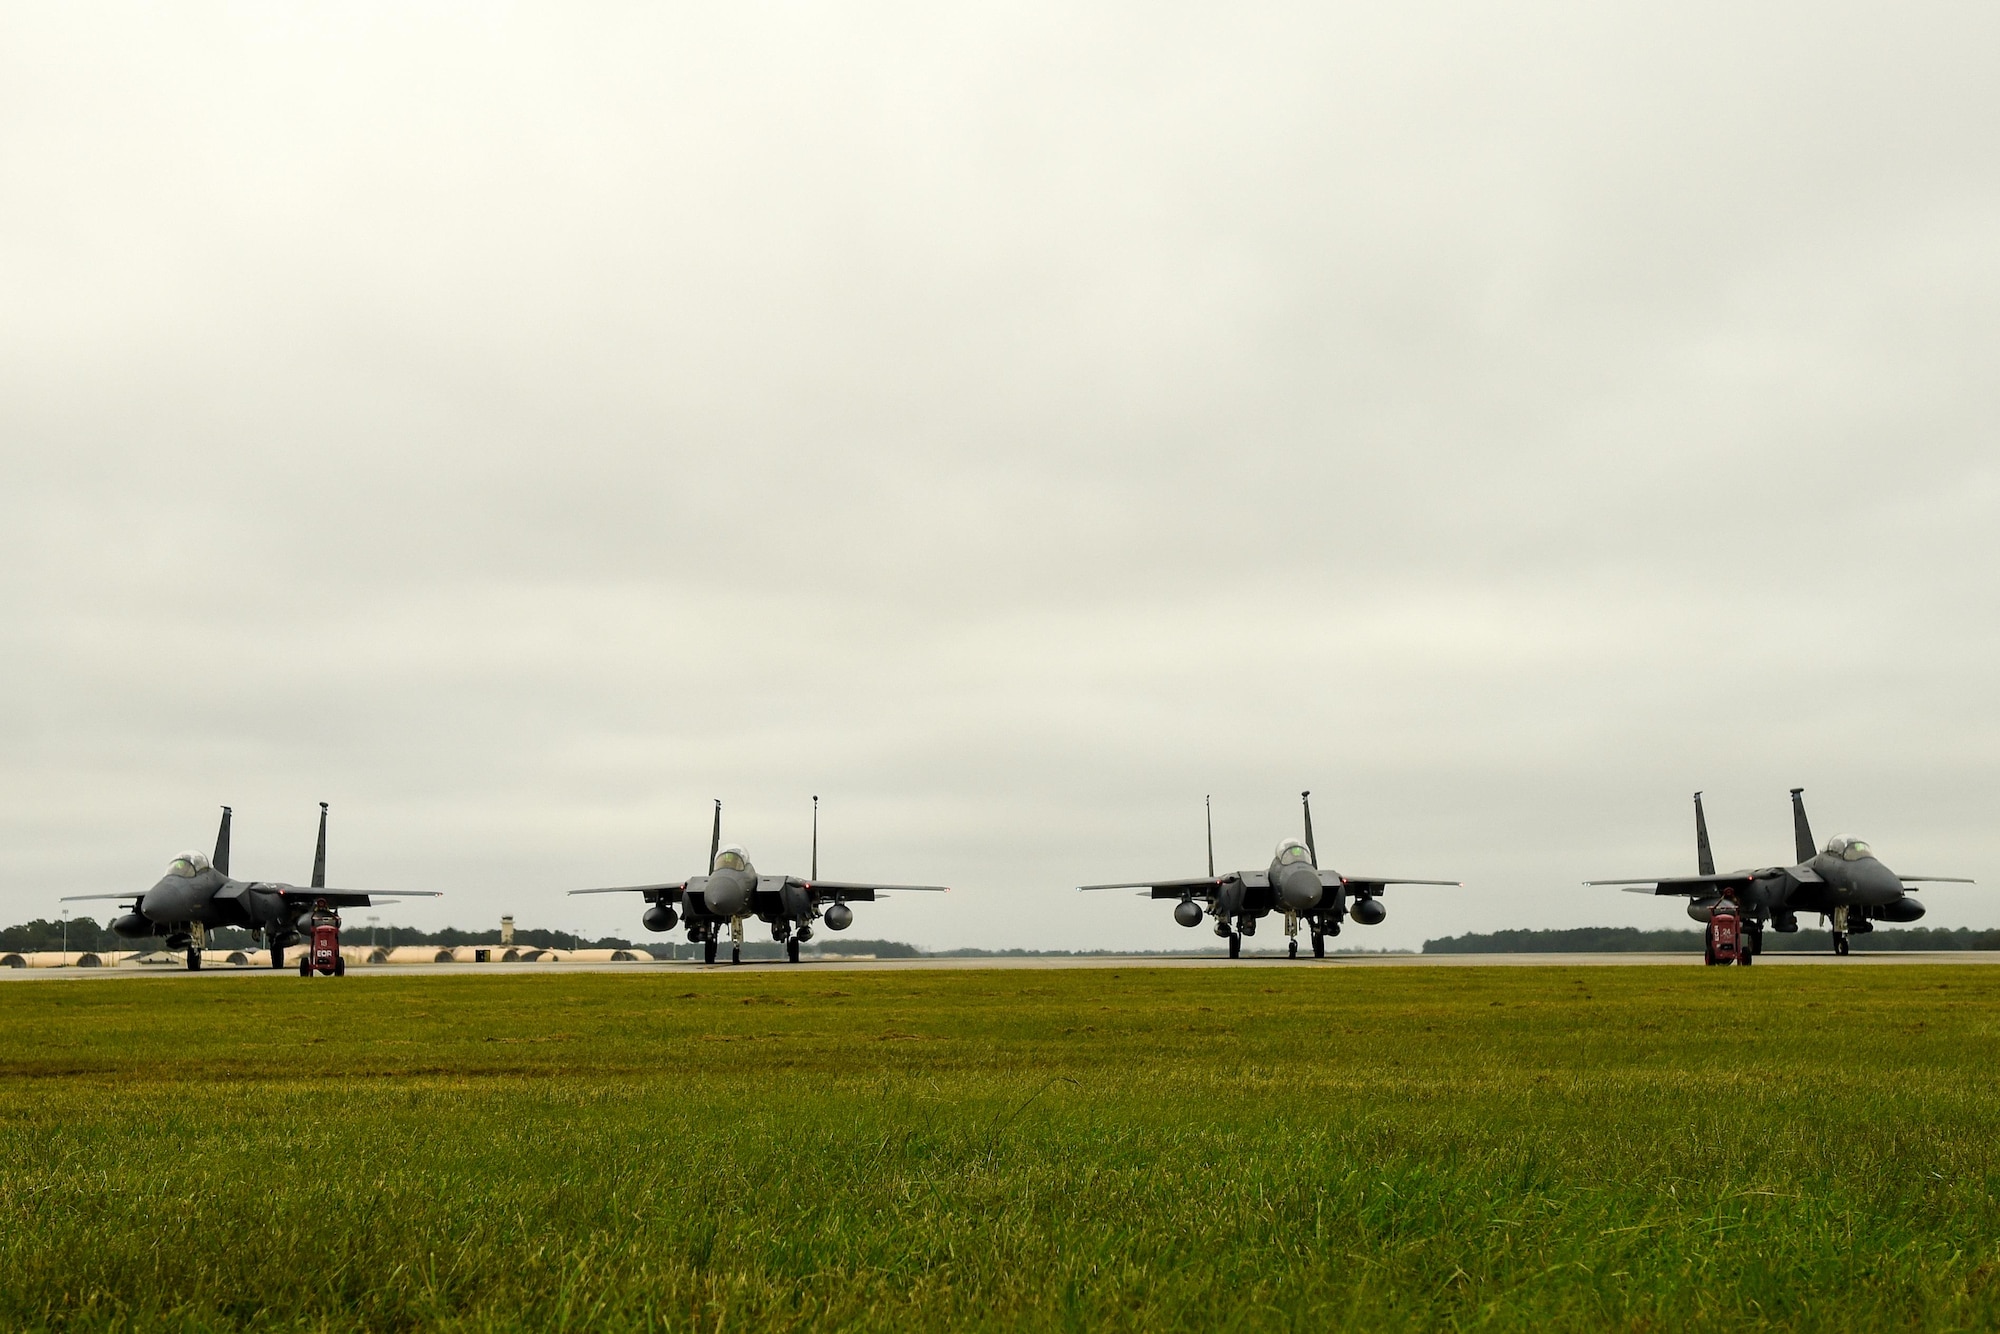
<point x="162" y="903"/>
<point x="1299" y="888"/>
<point x="727" y="895"/>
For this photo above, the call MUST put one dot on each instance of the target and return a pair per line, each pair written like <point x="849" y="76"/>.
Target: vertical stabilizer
<point x="1801" y="831"/>
<point x="815" y="869"/>
<point x="1208" y="814"/>
<point x="715" y="838"/>
<point x="1305" y="799"/>
<point x="220" y="861"/>
<point x="319" y="853"/>
<point x="1704" y="856"/>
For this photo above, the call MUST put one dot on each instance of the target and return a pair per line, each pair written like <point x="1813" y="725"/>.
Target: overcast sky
<point x="519" y="425"/>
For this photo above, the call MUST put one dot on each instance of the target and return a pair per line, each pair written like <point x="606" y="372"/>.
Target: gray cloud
<point x="517" y="427"/>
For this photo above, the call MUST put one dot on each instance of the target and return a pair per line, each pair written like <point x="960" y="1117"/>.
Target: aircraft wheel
<point x="708" y="950"/>
<point x="1746" y="957"/>
<point x="1235" y="944"/>
<point x="193" y="959"/>
<point x="305" y="965"/>
<point x="1292" y="948"/>
<point x="792" y="949"/>
<point x="277" y="956"/>
<point x="736" y="954"/>
<point x="1840" y="944"/>
<point x="339" y="966"/>
<point x="1319" y="945"/>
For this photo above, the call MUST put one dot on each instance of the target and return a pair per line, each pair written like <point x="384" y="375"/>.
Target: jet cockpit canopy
<point x="730" y="858"/>
<point x="1848" y="849"/>
<point x="188" y="865"/>
<point x="1291" y="851"/>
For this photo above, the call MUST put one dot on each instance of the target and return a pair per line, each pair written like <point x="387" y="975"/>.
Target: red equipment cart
<point x="1727" y="941"/>
<point x="323" y="950"/>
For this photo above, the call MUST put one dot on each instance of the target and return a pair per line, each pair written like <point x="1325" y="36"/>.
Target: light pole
<point x="65" y="937"/>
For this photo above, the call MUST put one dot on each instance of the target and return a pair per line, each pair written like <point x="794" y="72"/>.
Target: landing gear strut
<point x="792" y="949"/>
<point x="708" y="949"/>
<point x="1235" y="944"/>
<point x="197" y="940"/>
<point x="1291" y="933"/>
<point x="1319" y="944"/>
<point x="736" y="940"/>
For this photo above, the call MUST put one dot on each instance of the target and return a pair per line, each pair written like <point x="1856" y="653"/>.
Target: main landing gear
<point x="708" y="950"/>
<point x="1319" y="944"/>
<point x="792" y="949"/>
<point x="1235" y="944"/>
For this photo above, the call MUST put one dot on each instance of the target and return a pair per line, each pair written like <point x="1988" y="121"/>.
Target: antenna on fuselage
<point x="1208" y="813"/>
<point x="715" y="838"/>
<point x="815" y="870"/>
<point x="220" y="861"/>
<point x="1704" y="858"/>
<point x="319" y="853"/>
<point x="1305" y="799"/>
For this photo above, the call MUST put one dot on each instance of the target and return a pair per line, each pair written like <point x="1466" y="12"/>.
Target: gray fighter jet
<point x="733" y="891"/>
<point x="196" y="893"/>
<point x="1293" y="884"/>
<point x="1843" y="882"/>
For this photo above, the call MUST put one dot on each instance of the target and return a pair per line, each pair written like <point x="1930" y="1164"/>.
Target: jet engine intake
<point x="839" y="917"/>
<point x="660" y="917"/>
<point x="1187" y="912"/>
<point x="1368" y="911"/>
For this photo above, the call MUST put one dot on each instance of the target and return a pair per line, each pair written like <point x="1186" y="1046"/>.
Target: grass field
<point x="1265" y="1149"/>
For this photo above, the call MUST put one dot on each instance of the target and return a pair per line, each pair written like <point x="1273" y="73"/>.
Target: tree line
<point x="1632" y="940"/>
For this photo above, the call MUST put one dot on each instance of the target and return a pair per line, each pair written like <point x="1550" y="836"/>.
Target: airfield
<point x="1360" y="1142"/>
<point x="1122" y="962"/>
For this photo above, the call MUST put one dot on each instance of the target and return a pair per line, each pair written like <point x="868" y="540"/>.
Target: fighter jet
<point x="1293" y="884"/>
<point x="196" y="893"/>
<point x="733" y="891"/>
<point x="1843" y="882"/>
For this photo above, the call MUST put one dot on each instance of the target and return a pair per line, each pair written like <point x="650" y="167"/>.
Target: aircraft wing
<point x="1374" y="882"/>
<point x="134" y="895"/>
<point x="1693" y="886"/>
<point x="672" y="890"/>
<point x="860" y="893"/>
<point x="347" y="898"/>
<point x="1167" y="889"/>
<point x="1927" y="879"/>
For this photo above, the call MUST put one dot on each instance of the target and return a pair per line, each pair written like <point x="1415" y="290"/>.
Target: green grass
<point x="1270" y="1148"/>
